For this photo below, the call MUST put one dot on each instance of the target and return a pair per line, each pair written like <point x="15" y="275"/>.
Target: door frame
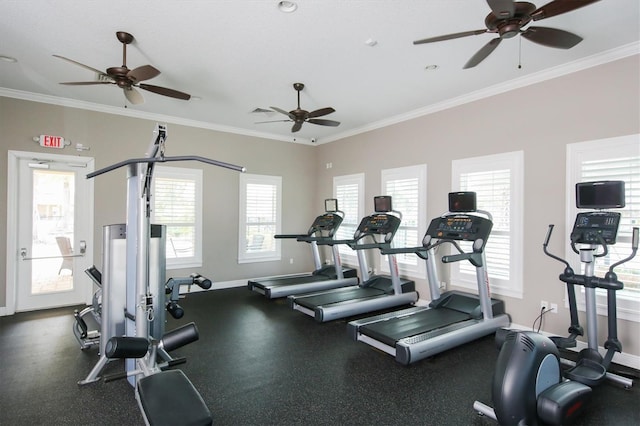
<point x="13" y="255"/>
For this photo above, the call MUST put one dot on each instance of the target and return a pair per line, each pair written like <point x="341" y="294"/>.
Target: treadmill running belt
<point x="337" y="296"/>
<point x="394" y="329"/>
<point x="279" y="282"/>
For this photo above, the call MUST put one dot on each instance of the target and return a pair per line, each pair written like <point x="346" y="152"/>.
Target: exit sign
<point x="50" y="141"/>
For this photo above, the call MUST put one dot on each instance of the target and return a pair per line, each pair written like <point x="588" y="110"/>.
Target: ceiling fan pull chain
<point x="519" y="52"/>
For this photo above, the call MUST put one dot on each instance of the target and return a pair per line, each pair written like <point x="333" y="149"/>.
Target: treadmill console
<point x="379" y="224"/>
<point x="593" y="227"/>
<point x="328" y="222"/>
<point x="459" y="227"/>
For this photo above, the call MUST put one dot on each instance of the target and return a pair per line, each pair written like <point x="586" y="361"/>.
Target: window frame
<point x="628" y="304"/>
<point x="418" y="268"/>
<point x="348" y="256"/>
<point x="514" y="161"/>
<point x="245" y="256"/>
<point x="191" y="174"/>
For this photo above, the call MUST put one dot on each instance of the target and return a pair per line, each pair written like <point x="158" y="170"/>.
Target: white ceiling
<point x="238" y="55"/>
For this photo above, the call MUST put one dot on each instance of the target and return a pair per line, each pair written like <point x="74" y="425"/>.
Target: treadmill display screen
<point x="331" y="205"/>
<point x="460" y="202"/>
<point x="382" y="203"/>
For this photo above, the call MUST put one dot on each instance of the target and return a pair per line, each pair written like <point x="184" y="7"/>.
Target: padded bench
<point x="169" y="398"/>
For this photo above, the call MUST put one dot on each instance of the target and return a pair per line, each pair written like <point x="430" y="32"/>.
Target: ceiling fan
<point x="126" y="78"/>
<point x="508" y="17"/>
<point x="299" y="116"/>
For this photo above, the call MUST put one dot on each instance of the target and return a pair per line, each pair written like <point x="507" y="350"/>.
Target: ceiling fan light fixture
<point x="286" y="6"/>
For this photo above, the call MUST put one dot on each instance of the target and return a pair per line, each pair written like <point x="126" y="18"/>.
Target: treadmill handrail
<point x="475" y="258"/>
<point x="419" y="251"/>
<point x="333" y="242"/>
<point x="289" y="236"/>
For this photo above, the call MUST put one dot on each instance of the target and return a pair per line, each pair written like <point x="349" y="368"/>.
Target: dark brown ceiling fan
<point x="507" y="19"/>
<point x="125" y="78"/>
<point x="299" y="116"/>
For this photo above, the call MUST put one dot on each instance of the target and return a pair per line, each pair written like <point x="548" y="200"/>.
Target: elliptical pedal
<point x="563" y="342"/>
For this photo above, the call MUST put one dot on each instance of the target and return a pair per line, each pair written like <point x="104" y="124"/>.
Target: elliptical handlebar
<point x="568" y="269"/>
<point x="601" y="242"/>
<point x="634" y="250"/>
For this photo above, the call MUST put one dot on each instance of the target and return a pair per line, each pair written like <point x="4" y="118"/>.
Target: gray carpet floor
<point x="260" y="363"/>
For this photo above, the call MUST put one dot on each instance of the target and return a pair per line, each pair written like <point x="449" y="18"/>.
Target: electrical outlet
<point x="548" y="307"/>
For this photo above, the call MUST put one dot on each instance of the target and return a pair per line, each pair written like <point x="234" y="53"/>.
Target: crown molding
<point x="568" y="68"/>
<point x="547" y="74"/>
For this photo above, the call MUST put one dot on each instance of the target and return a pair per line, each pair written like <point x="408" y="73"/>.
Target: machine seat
<point x="169" y="398"/>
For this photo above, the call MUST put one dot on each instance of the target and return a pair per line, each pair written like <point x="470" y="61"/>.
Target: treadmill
<point x="375" y="292"/>
<point x="454" y="317"/>
<point x="324" y="277"/>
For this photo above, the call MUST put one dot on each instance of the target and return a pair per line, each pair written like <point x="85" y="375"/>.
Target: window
<point x="260" y="218"/>
<point x="610" y="159"/>
<point x="497" y="181"/>
<point x="408" y="187"/>
<point x="349" y="191"/>
<point x="177" y="203"/>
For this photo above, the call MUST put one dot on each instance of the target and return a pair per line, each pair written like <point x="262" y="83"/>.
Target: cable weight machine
<point x="133" y="299"/>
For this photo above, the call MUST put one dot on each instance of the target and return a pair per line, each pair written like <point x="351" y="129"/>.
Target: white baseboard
<point x="628" y="360"/>
<point x="3" y="311"/>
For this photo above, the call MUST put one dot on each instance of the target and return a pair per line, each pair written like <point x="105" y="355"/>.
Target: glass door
<point x="54" y="233"/>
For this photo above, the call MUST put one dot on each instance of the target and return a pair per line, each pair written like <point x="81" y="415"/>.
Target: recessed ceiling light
<point x="431" y="67"/>
<point x="10" y="59"/>
<point x="371" y="42"/>
<point x="287" y="6"/>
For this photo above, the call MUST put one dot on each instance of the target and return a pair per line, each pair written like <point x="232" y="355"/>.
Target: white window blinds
<point x="260" y="217"/>
<point x="498" y="183"/>
<point x="177" y="203"/>
<point x="407" y="188"/>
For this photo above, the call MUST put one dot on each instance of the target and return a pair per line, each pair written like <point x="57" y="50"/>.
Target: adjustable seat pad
<point x="169" y="398"/>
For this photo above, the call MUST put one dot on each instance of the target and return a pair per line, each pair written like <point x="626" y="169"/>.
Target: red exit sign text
<point x="50" y="141"/>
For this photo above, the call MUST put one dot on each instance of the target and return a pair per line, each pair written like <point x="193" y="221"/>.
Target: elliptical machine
<point x="528" y="385"/>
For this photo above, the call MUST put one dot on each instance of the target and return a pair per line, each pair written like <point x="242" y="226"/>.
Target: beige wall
<point x="540" y="119"/>
<point x="114" y="138"/>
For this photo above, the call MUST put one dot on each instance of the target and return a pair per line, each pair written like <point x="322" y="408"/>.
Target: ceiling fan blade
<point x="482" y="54"/>
<point x="450" y="36"/>
<point x="551" y="37"/>
<point x="320" y="112"/>
<point x="86" y="83"/>
<point x="165" y="91"/>
<point x="272" y="121"/>
<point x="502" y="8"/>
<point x="296" y="126"/>
<point x="281" y="111"/>
<point x="558" y="7"/>
<point x="323" y="122"/>
<point x="133" y="95"/>
<point x="97" y="71"/>
<point x="142" y="73"/>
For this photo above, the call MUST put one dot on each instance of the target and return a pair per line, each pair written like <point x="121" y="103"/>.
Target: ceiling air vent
<point x="261" y="111"/>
